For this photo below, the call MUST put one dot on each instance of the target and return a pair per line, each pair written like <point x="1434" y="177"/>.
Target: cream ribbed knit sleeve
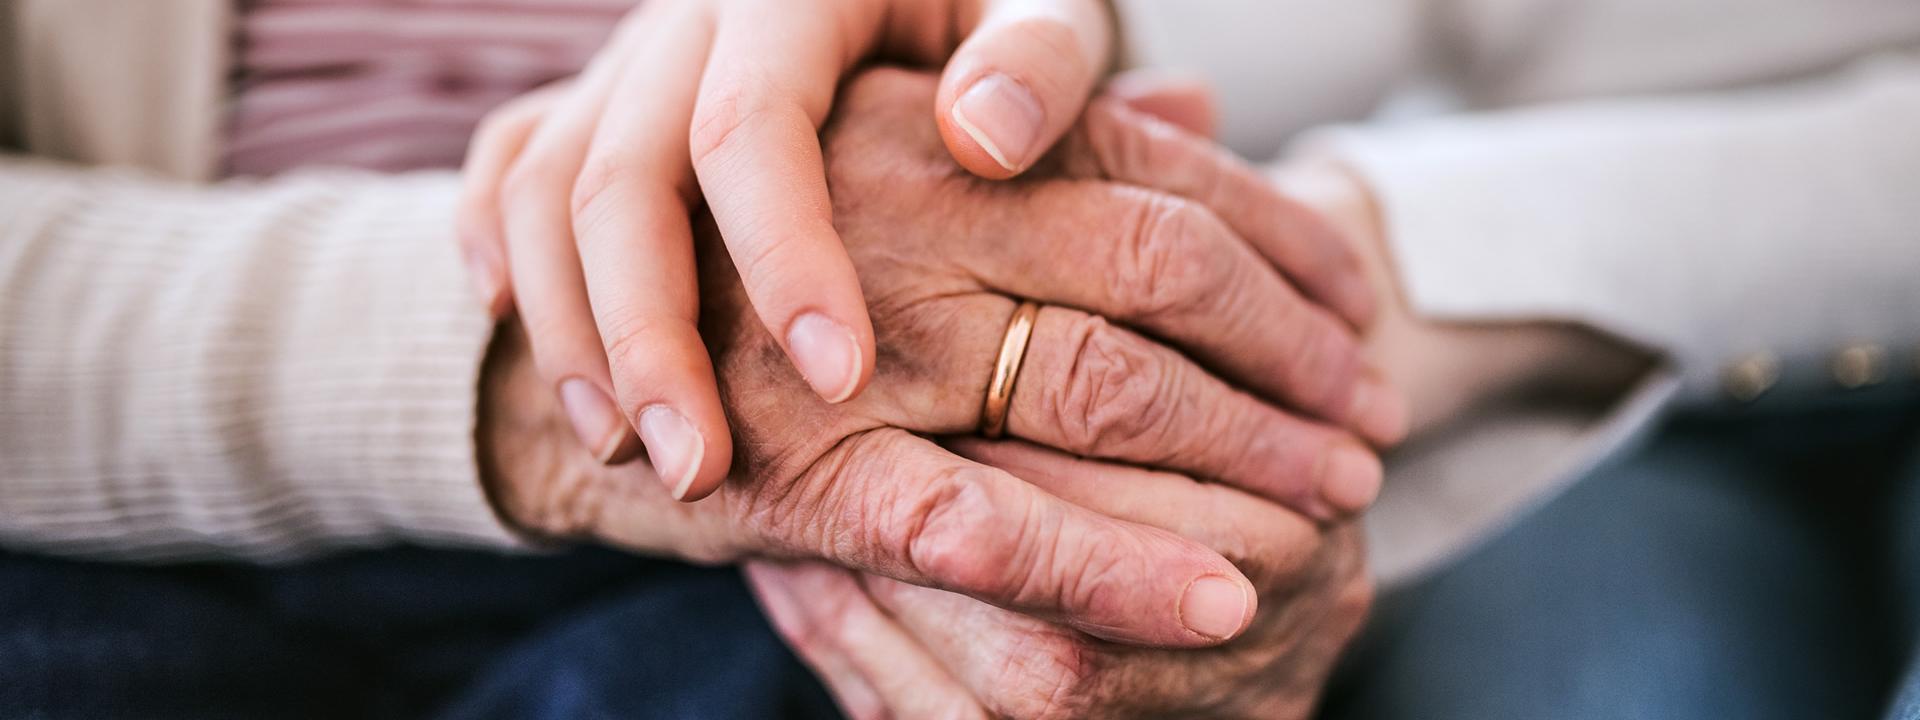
<point x="257" y="370"/>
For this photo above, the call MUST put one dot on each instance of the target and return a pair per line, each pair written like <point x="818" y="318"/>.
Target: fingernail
<point x="1215" y="606"/>
<point x="674" y="447"/>
<point x="485" y="277"/>
<point x="1378" y="410"/>
<point x="1350" y="478"/>
<point x="827" y="355"/>
<point x="595" y="421"/>
<point x="1003" y="116"/>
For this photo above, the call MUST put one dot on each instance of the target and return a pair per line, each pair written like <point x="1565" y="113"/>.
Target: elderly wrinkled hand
<point x="892" y="650"/>
<point x="1133" y="225"/>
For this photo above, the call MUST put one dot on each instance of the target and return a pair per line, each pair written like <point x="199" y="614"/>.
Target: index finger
<point x="1022" y="667"/>
<point x="756" y="151"/>
<point x="895" y="504"/>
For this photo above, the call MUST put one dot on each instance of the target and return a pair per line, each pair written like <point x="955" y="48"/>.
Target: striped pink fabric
<point x="393" y="84"/>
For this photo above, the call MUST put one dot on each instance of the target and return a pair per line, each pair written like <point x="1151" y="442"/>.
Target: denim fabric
<point x="402" y="633"/>
<point x="1734" y="568"/>
<point x="1903" y="516"/>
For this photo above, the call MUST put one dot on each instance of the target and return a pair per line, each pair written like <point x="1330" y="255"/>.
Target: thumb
<point x="1020" y="80"/>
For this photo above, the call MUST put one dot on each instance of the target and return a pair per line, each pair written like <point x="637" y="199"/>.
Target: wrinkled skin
<point x="894" y="650"/>
<point x="939" y="253"/>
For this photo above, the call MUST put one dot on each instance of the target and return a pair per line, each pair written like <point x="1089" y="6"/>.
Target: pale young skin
<point x="1134" y="221"/>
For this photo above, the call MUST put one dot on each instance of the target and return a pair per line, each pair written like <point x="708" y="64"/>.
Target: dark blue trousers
<point x="396" y="634"/>
<point x="1736" y="567"/>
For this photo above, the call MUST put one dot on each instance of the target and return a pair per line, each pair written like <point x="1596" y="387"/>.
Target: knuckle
<point x="765" y="259"/>
<point x="603" y="182"/>
<point x="1014" y="553"/>
<point x="1116" y="394"/>
<point x="632" y="338"/>
<point x="1161" y="274"/>
<point x="720" y="120"/>
<point x="1123" y="142"/>
<point x="954" y="535"/>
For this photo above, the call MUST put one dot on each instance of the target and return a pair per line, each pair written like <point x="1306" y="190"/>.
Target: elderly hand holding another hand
<point x="579" y="197"/>
<point x="1133" y="234"/>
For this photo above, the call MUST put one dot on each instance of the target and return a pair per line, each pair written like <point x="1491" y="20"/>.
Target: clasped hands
<point x="1168" y="530"/>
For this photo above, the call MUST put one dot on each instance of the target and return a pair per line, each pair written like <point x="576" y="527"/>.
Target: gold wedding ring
<point x="1006" y="369"/>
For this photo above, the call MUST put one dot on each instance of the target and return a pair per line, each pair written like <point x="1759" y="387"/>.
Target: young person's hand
<point x="577" y="198"/>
